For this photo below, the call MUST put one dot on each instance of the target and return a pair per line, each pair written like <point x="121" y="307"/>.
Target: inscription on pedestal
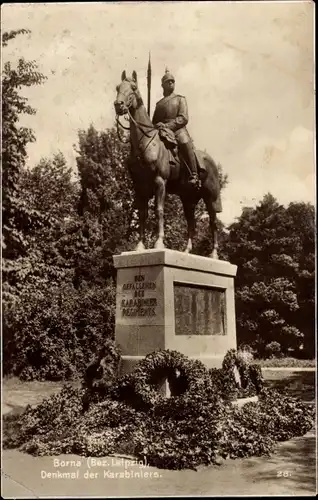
<point x="199" y="310"/>
<point x="136" y="301"/>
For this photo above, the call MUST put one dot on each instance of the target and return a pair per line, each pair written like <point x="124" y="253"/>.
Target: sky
<point x="246" y="70"/>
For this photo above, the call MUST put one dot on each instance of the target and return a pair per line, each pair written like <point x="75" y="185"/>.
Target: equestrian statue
<point x="163" y="159"/>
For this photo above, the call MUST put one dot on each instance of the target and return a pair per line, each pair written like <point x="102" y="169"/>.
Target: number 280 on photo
<point x="284" y="473"/>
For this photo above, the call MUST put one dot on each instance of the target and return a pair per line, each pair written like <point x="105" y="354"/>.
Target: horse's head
<point x="128" y="96"/>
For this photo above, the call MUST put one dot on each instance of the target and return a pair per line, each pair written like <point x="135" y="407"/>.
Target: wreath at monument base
<point x="237" y="377"/>
<point x="185" y="376"/>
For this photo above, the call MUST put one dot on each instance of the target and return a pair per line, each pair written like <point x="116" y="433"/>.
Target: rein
<point x="117" y="129"/>
<point x="139" y="126"/>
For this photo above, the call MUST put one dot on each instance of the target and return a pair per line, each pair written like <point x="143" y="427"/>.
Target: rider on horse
<point x="172" y="113"/>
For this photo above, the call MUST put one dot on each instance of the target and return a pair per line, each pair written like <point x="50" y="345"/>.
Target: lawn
<point x="298" y="384"/>
<point x="17" y="394"/>
<point x="286" y="362"/>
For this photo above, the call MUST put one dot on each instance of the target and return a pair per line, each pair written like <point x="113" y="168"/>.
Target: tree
<point x="301" y="218"/>
<point x="18" y="219"/>
<point x="106" y="203"/>
<point x="44" y="331"/>
<point x="50" y="190"/>
<point x="56" y="324"/>
<point x="273" y="247"/>
<point x="15" y="138"/>
<point x="53" y="188"/>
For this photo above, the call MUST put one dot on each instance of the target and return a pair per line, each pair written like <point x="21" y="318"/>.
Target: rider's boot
<point x="194" y="180"/>
<point x="188" y="152"/>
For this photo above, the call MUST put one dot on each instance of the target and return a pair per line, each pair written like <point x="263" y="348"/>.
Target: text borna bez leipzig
<point x="97" y="468"/>
<point x="137" y="304"/>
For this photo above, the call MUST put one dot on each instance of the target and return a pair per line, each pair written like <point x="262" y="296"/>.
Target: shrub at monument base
<point x="52" y="331"/>
<point x="184" y="431"/>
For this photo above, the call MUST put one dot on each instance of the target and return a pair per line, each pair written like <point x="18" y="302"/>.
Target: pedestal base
<point x="171" y="300"/>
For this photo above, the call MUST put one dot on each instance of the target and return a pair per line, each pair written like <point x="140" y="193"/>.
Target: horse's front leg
<point x="214" y="233"/>
<point x="214" y="254"/>
<point x="142" y="205"/>
<point x="189" y="209"/>
<point x="160" y="203"/>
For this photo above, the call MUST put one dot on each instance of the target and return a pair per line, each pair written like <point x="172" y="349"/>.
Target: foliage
<point x="50" y="191"/>
<point x="106" y="188"/>
<point x="180" y="432"/>
<point x="64" y="290"/>
<point x="39" y="310"/>
<point x="17" y="218"/>
<point x="273" y="349"/>
<point x="62" y="301"/>
<point x="105" y="364"/>
<point x="105" y="209"/>
<point x="273" y="247"/>
<point x="21" y="219"/>
<point x="50" y="187"/>
<point x="55" y="331"/>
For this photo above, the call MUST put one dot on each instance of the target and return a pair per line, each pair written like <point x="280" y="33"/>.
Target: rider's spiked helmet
<point x="167" y="76"/>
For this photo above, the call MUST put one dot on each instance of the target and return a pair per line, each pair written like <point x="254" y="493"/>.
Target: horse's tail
<point x="212" y="179"/>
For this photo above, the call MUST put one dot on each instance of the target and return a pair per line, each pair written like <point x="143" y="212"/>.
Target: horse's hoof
<point x="187" y="250"/>
<point x="214" y="255"/>
<point x="140" y="247"/>
<point x="159" y="245"/>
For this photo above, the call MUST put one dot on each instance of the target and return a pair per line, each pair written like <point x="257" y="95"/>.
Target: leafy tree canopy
<point x="273" y="247"/>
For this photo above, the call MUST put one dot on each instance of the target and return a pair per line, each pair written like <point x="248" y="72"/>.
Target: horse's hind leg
<point x="212" y="215"/>
<point x="189" y="209"/>
<point x="160" y="184"/>
<point x="142" y="205"/>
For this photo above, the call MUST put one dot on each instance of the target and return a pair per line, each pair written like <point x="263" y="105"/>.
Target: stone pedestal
<point x="171" y="300"/>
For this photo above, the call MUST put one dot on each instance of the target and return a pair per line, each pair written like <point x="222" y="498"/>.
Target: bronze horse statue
<point x="153" y="174"/>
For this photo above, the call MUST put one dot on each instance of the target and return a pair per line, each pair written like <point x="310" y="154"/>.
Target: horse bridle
<point x="139" y="125"/>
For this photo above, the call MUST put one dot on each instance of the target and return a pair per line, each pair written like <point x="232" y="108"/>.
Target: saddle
<point x="175" y="158"/>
